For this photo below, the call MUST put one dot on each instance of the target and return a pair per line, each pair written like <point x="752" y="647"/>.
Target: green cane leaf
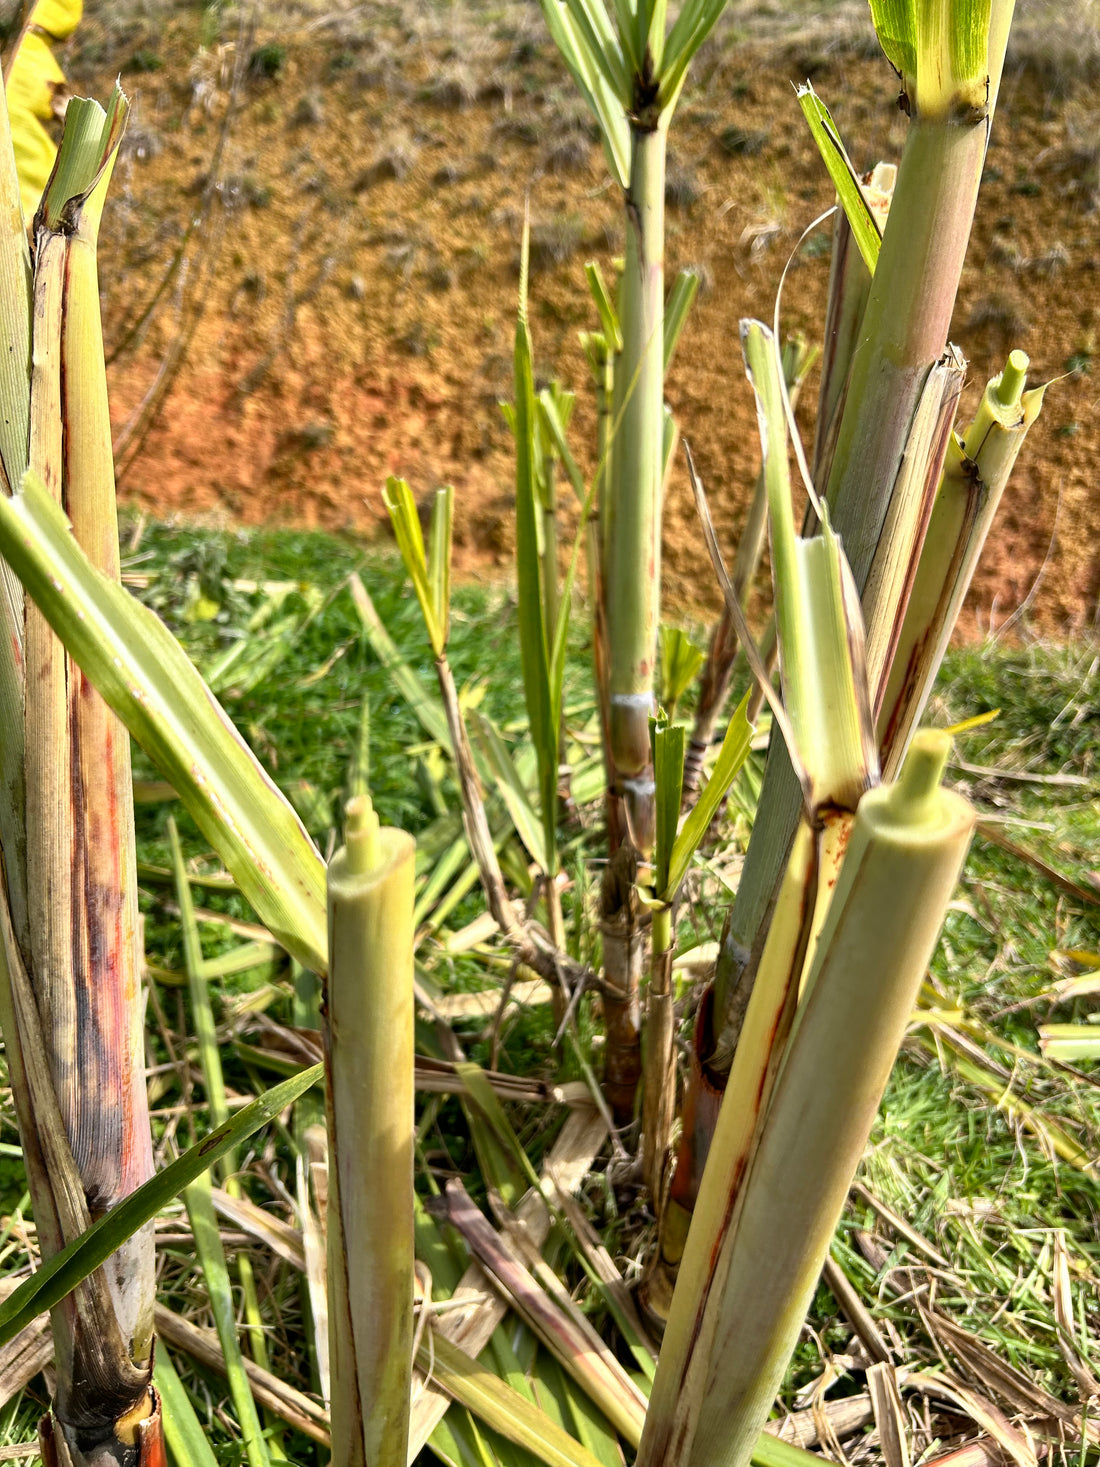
<point x="609" y="317"/>
<point x="512" y="791"/>
<point x="940" y="48"/>
<point x="187" y="1441"/>
<point x="399" y="502"/>
<point x="680" y="298"/>
<point x="59" y="1275"/>
<point x="534" y="636"/>
<point x="845" y="179"/>
<point x="425" y="704"/>
<point x="486" y="1396"/>
<point x="143" y="673"/>
<point x="439" y="558"/>
<point x="668" y="775"/>
<point x="895" y="23"/>
<point x="731" y="756"/>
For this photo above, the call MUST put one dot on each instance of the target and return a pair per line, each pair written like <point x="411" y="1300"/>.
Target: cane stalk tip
<point x="361" y="835"/>
<point x="923" y="769"/>
<point x="1010" y="385"/>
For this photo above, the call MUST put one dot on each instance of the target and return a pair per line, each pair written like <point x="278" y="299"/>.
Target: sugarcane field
<point x="549" y="726"/>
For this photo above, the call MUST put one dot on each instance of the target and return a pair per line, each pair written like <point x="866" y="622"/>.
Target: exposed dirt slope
<point x="358" y="313"/>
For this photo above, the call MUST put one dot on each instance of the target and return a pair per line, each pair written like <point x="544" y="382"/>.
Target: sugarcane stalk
<point x="974" y="479"/>
<point x="849" y="289"/>
<point x="623" y="965"/>
<point x="631" y="75"/>
<point x="87" y="1314"/>
<point x="895" y="422"/>
<point x="722" y="1118"/>
<point x="659" y="1056"/>
<point x="15" y="371"/>
<point x="889" y="580"/>
<point x="912" y="295"/>
<point x="828" y="749"/>
<point x="891" y="577"/>
<point x="369" y="1065"/>
<point x="631" y="514"/>
<point x="602" y="361"/>
<point x="734" y="1336"/>
<point x="80" y="1014"/>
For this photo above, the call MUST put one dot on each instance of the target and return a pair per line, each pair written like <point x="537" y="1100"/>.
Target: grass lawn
<point x="983" y="1147"/>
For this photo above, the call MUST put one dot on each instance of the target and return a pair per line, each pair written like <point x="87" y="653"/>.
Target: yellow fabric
<point x="35" y="77"/>
<point x="58" y="18"/>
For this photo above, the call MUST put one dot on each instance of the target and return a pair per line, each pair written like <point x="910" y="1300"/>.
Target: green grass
<point x="977" y="1185"/>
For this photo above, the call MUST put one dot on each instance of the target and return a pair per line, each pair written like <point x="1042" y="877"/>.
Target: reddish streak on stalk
<point x="702" y="1102"/>
<point x="87" y="967"/>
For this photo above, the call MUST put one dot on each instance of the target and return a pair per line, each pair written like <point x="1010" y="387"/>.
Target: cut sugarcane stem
<point x="907" y="318"/>
<point x="714" y="1388"/>
<point x="658" y="1056"/>
<point x="15" y="370"/>
<point x="974" y="479"/>
<point x="370" y="1100"/>
<point x="768" y="1009"/>
<point x="905" y="330"/>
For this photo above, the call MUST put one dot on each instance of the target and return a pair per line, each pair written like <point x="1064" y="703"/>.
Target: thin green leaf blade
<point x="485" y="1098"/>
<point x="681" y="660"/>
<point x="211" y="1258"/>
<point x="533" y="640"/>
<point x="59" y="1275"/>
<point x="731" y="756"/>
<point x="625" y="23"/>
<point x="825" y="134"/>
<point x="439" y="558"/>
<point x="511" y="790"/>
<point x="680" y="300"/>
<point x="580" y="1415"/>
<point x="399" y="502"/>
<point x="692" y="26"/>
<point x="187" y="1441"/>
<point x="895" y="23"/>
<point x="500" y="1407"/>
<point x="668" y="775"/>
<point x="605" y="307"/>
<point x="561" y="625"/>
<point x="601" y="44"/>
<point x="457" y="1442"/>
<point x="425" y="704"/>
<point x="596" y="83"/>
<point x="555" y="426"/>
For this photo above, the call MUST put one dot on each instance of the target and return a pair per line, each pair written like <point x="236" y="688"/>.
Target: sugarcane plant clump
<point x="855" y="852"/>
